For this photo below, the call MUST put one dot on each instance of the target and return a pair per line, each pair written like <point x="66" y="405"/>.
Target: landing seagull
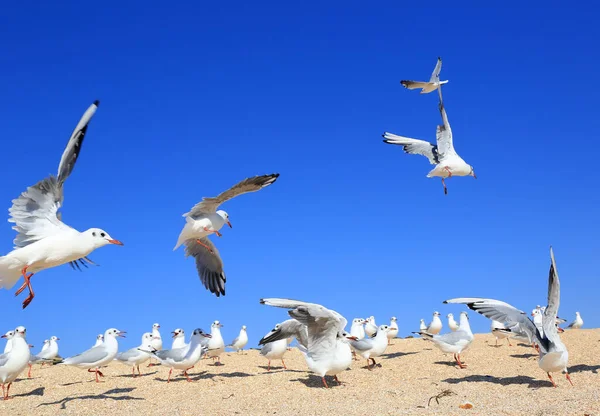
<point x="447" y="162"/>
<point x="43" y="240"/>
<point x="204" y="219"/>
<point x="553" y="355"/>
<point x="427" y="87"/>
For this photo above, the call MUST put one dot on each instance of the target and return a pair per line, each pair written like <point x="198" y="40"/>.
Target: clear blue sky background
<point x="196" y="97"/>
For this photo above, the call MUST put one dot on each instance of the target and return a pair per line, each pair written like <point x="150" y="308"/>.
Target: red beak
<point x="121" y="334"/>
<point x="228" y="223"/>
<point x="117" y="242"/>
<point x="353" y="338"/>
<point x="174" y="334"/>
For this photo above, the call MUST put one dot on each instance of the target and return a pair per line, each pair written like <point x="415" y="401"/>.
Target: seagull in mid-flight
<point x="43" y="240"/>
<point x="204" y="219"/>
<point x="442" y="154"/>
<point x="427" y="87"/>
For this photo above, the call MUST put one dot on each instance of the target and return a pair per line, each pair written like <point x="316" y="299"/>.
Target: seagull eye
<point x="94" y="234"/>
<point x="102" y="235"/>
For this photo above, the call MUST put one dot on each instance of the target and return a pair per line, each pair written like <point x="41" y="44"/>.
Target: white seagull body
<point x="435" y="326"/>
<point x="369" y="348"/>
<point x="8" y="336"/>
<point x="357" y="329"/>
<point x="43" y="240"/>
<point x="499" y="331"/>
<point x="99" y="340"/>
<point x="577" y="323"/>
<point x="216" y="345"/>
<point x="452" y="324"/>
<point x="453" y="342"/>
<point x="241" y="340"/>
<point x="393" y="331"/>
<point x="427" y="87"/>
<point x="138" y="355"/>
<point x="423" y="326"/>
<point x="184" y="358"/>
<point x="274" y="351"/>
<point x="204" y="219"/>
<point x="178" y="339"/>
<point x="14" y="362"/>
<point x="370" y="326"/>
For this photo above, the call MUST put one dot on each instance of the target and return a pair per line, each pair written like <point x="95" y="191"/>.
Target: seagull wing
<point x="209" y="265"/>
<point x="210" y="205"/>
<point x="435" y="76"/>
<point x="549" y="317"/>
<point x="414" y="146"/>
<point x="443" y="133"/>
<point x="414" y="85"/>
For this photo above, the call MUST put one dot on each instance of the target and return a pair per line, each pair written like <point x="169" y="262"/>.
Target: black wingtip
<point x="97" y="103"/>
<point x="445" y="302"/>
<point x="262" y="301"/>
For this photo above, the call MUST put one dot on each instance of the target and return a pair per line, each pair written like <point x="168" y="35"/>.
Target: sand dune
<point x="504" y="380"/>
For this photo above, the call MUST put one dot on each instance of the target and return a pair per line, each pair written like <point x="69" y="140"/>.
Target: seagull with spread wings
<point x="442" y="154"/>
<point x="427" y="87"/>
<point x="43" y="240"/>
<point x="204" y="219"/>
<point x="553" y="354"/>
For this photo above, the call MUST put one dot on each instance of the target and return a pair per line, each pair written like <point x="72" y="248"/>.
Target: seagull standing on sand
<point x="447" y="162"/>
<point x="138" y="355"/>
<point x="8" y="336"/>
<point x="241" y="340"/>
<point x="156" y="341"/>
<point x="577" y="323"/>
<point x="357" y="329"/>
<point x="274" y="350"/>
<point x="48" y="353"/>
<point x="216" y="345"/>
<point x="96" y="357"/>
<point x="435" y="326"/>
<point x="423" y="326"/>
<point x="427" y="87"/>
<point x="43" y="240"/>
<point x="453" y="342"/>
<point x="553" y="354"/>
<point x="452" y="324"/>
<point x="99" y="340"/>
<point x="14" y="362"/>
<point x="393" y="330"/>
<point x="370" y="326"/>
<point x="178" y="339"/>
<point x="184" y="358"/>
<point x="204" y="219"/>
<point x="499" y="331"/>
<point x="320" y="334"/>
<point x="369" y="348"/>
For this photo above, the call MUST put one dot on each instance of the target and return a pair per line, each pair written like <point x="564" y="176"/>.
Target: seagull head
<point x="472" y="173"/>
<point x="217" y="324"/>
<point x="225" y="217"/>
<point x="243" y="327"/>
<point x="436" y="313"/>
<point x="114" y="333"/>
<point x="53" y="338"/>
<point x="393" y="319"/>
<point x="199" y="333"/>
<point x="101" y="237"/>
<point x="177" y="332"/>
<point x="20" y="331"/>
<point x="146" y="338"/>
<point x="346" y="336"/>
<point x="8" y="335"/>
<point x="577" y="313"/>
<point x="450" y="316"/>
<point x="100" y="337"/>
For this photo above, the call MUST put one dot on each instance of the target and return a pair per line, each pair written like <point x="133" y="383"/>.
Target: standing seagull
<point x="447" y="162"/>
<point x="138" y="355"/>
<point x="99" y="340"/>
<point x="43" y="240"/>
<point x="577" y="323"/>
<point x="8" y="336"/>
<point x="216" y="345"/>
<point x="178" y="339"/>
<point x="369" y="348"/>
<point x="370" y="326"/>
<point x="553" y="354"/>
<point x="452" y="324"/>
<point x="427" y="87"/>
<point x="241" y="340"/>
<point x="499" y="331"/>
<point x="323" y="342"/>
<point x="48" y="353"/>
<point x="156" y="341"/>
<point x="435" y="326"/>
<point x="204" y="219"/>
<point x="274" y="351"/>
<point x="184" y="358"/>
<point x="393" y="331"/>
<point x="14" y="362"/>
<point x="453" y="342"/>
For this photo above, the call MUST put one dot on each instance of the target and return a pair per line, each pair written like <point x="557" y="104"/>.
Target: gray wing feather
<point x="210" y="204"/>
<point x="287" y="329"/>
<point x="132" y="353"/>
<point x="452" y="337"/>
<point x="88" y="357"/>
<point x="414" y="146"/>
<point x="209" y="265"/>
<point x="266" y="348"/>
<point x="3" y="359"/>
<point x="176" y="354"/>
<point x="435" y="75"/>
<point x="443" y="133"/>
<point x="362" y="344"/>
<point x="549" y="318"/>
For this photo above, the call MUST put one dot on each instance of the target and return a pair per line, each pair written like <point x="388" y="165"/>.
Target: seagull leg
<point x="283" y="362"/>
<point x="509" y="344"/>
<point x="445" y="189"/>
<point x="324" y="382"/>
<point x="369" y="364"/>
<point x="338" y="381"/>
<point x="569" y="378"/>
<point x="133" y="371"/>
<point x="139" y="373"/>
<point x="186" y="375"/>
<point x="213" y="231"/>
<point x="551" y="379"/>
<point x="169" y="379"/>
<point x="461" y="365"/>
<point x="3" y="392"/>
<point x="7" y="390"/>
<point x="205" y="246"/>
<point x="269" y="366"/>
<point x="29" y="372"/>
<point x="26" y="284"/>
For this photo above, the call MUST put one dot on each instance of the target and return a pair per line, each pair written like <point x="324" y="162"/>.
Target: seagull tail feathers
<point x="425" y="335"/>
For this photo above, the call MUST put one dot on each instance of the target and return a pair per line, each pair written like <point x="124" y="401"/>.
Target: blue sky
<point x="196" y="97"/>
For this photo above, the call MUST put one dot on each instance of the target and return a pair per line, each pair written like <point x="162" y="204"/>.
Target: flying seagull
<point x="204" y="219"/>
<point x="442" y="154"/>
<point x="43" y="240"/>
<point x="427" y="87"/>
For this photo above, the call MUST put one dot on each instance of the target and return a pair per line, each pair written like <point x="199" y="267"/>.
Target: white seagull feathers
<point x="204" y="219"/>
<point x="427" y="87"/>
<point x="43" y="240"/>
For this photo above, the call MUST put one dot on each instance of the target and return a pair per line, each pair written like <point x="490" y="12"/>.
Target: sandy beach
<point x="499" y="380"/>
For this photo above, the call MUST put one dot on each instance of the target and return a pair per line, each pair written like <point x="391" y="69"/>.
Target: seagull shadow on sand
<point x="530" y="381"/>
<point x="203" y="376"/>
<point x="315" y="382"/>
<point x="136" y="375"/>
<point x="112" y="394"/>
<point x="524" y="355"/>
<point x="275" y="370"/>
<point x="398" y="354"/>
<point x="580" y="368"/>
<point x="448" y="363"/>
<point x="36" y="392"/>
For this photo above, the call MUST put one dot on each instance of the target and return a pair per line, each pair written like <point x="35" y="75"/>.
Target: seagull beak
<point x="3" y="336"/>
<point x="116" y="242"/>
<point x="353" y="338"/>
<point x="174" y="334"/>
<point x="228" y="223"/>
<point x="30" y="346"/>
<point x="121" y="334"/>
<point x="57" y="339"/>
<point x="475" y="176"/>
<point x="207" y="335"/>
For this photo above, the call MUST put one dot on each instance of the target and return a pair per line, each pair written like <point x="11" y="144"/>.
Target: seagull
<point x="393" y="331"/>
<point x="184" y="358"/>
<point x="320" y="334"/>
<point x="369" y="348"/>
<point x="178" y="339"/>
<point x="553" y="354"/>
<point x="48" y="353"/>
<point x="96" y="357"/>
<point x="14" y="362"/>
<point x="577" y="323"/>
<point x="241" y="340"/>
<point x="216" y="345"/>
<point x="499" y="331"/>
<point x="204" y="219"/>
<point x="370" y="326"/>
<point x="8" y="336"/>
<point x="43" y="240"/>
<point x="422" y="326"/>
<point x="274" y="351"/>
<point x="138" y="355"/>
<point x="156" y="341"/>
<point x="357" y="329"/>
<point x="452" y="323"/>
<point x="453" y="342"/>
<point x="427" y="87"/>
<point x="99" y="340"/>
<point x="538" y="318"/>
<point x="435" y="326"/>
<point x="442" y="154"/>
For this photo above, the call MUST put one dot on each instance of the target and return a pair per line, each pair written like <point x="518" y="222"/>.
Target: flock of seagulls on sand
<point x="44" y="241"/>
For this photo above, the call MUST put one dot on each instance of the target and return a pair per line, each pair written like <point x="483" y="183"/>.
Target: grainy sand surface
<point x="499" y="381"/>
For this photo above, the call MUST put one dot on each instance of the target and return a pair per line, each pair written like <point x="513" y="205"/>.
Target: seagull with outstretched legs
<point x="96" y="357"/>
<point x="442" y="154"/>
<point x="138" y="355"/>
<point x="204" y="219"/>
<point x="13" y="362"/>
<point x="274" y="351"/>
<point x="43" y="241"/>
<point x="427" y="87"/>
<point x="553" y="354"/>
